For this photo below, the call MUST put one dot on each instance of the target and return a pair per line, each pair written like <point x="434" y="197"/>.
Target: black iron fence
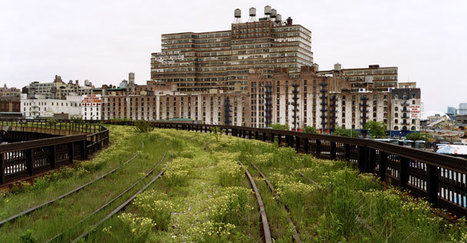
<point x="441" y="179"/>
<point x="19" y="160"/>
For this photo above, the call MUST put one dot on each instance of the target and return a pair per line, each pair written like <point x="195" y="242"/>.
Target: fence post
<point x="256" y="134"/>
<point x="297" y="143"/>
<point x="70" y="152"/>
<point x="318" y="148"/>
<point x="383" y="161"/>
<point x="432" y="184"/>
<point x="347" y="152"/>
<point x="404" y="172"/>
<point x="306" y="146"/>
<point x="372" y="161"/>
<point x="362" y="158"/>
<point x="332" y="150"/>
<point x="84" y="154"/>
<point x="2" y="167"/>
<point x="53" y="156"/>
<point x="29" y="158"/>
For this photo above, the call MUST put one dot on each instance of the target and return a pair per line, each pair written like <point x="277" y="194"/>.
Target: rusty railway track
<point x="35" y="208"/>
<point x="58" y="237"/>
<point x="265" y="229"/>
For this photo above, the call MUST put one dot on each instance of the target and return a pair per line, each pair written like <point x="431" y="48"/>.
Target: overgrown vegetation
<point x="311" y="130"/>
<point x="280" y="127"/>
<point x="420" y="136"/>
<point x="204" y="197"/>
<point x="375" y="129"/>
<point x="143" y="126"/>
<point x="339" y="131"/>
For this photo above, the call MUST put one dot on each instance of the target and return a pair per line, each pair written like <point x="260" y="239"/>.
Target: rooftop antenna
<point x="238" y="16"/>
<point x="252" y="15"/>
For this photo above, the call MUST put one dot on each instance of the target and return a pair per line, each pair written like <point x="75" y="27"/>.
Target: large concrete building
<point x="58" y="89"/>
<point x="372" y="78"/>
<point x="42" y="107"/>
<point x="222" y="59"/>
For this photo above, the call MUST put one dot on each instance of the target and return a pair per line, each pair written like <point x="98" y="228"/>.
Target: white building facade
<point x="91" y="107"/>
<point x="40" y="107"/>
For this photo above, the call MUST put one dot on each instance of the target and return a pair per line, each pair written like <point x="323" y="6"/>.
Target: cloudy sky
<point x="104" y="40"/>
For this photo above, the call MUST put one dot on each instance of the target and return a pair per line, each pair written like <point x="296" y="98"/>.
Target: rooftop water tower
<point x="238" y="16"/>
<point x="252" y="15"/>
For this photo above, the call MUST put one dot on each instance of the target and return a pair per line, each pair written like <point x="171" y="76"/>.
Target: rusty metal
<point x="267" y="238"/>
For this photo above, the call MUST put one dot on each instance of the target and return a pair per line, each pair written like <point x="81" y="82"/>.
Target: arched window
<point x="396" y="115"/>
<point x="413" y="128"/>
<point x="404" y="128"/>
<point x="413" y="121"/>
<point x="396" y="128"/>
<point x="396" y="121"/>
<point x="396" y="109"/>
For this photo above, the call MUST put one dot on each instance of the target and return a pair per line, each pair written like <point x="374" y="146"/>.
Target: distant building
<point x="452" y="112"/>
<point x="222" y="59"/>
<point x="9" y="92"/>
<point x="58" y="89"/>
<point x="10" y="104"/>
<point x="91" y="106"/>
<point x="41" y="107"/>
<point x="372" y="78"/>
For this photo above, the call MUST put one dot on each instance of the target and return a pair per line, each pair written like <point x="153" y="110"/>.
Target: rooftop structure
<point x="372" y="78"/>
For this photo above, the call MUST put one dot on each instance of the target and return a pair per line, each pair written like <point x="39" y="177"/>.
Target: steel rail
<point x="119" y="208"/>
<point x="267" y="238"/>
<point x="58" y="236"/>
<point x="30" y="210"/>
<point x="295" y="232"/>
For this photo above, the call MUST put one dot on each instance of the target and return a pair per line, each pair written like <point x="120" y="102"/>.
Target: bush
<point x="311" y="130"/>
<point x="419" y="136"/>
<point x="280" y="127"/>
<point x="159" y="209"/>
<point x="376" y="129"/>
<point x="143" y="126"/>
<point x="77" y="119"/>
<point x="339" y="131"/>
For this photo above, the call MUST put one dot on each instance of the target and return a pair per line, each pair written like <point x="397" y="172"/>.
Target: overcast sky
<point x="103" y="41"/>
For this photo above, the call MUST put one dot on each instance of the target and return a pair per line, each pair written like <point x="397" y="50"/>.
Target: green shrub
<point x="419" y="136"/>
<point x="375" y="129"/>
<point x="156" y="206"/>
<point x="143" y="126"/>
<point x="280" y="127"/>
<point x="310" y="130"/>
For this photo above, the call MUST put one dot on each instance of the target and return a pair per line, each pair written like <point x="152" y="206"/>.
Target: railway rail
<point x="58" y="237"/>
<point x="265" y="229"/>
<point x="33" y="209"/>
<point x="296" y="235"/>
<point x="440" y="179"/>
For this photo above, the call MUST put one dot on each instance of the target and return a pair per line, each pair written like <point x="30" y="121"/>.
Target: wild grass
<point x="204" y="197"/>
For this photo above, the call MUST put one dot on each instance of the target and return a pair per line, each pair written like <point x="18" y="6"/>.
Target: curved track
<point x="119" y="208"/>
<point x="28" y="211"/>
<point x="296" y="235"/>
<point x="58" y="237"/>
<point x="262" y="212"/>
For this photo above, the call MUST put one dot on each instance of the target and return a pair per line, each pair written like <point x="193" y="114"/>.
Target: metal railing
<point x="441" y="179"/>
<point x="20" y="160"/>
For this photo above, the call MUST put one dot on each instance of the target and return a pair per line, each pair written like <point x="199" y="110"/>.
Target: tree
<point x="311" y="130"/>
<point x="280" y="127"/>
<point x="419" y="136"/>
<point x="339" y="131"/>
<point x="143" y="126"/>
<point x="375" y="129"/>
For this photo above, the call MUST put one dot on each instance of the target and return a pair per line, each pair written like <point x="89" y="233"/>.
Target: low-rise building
<point x="91" y="106"/>
<point x="41" y="107"/>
